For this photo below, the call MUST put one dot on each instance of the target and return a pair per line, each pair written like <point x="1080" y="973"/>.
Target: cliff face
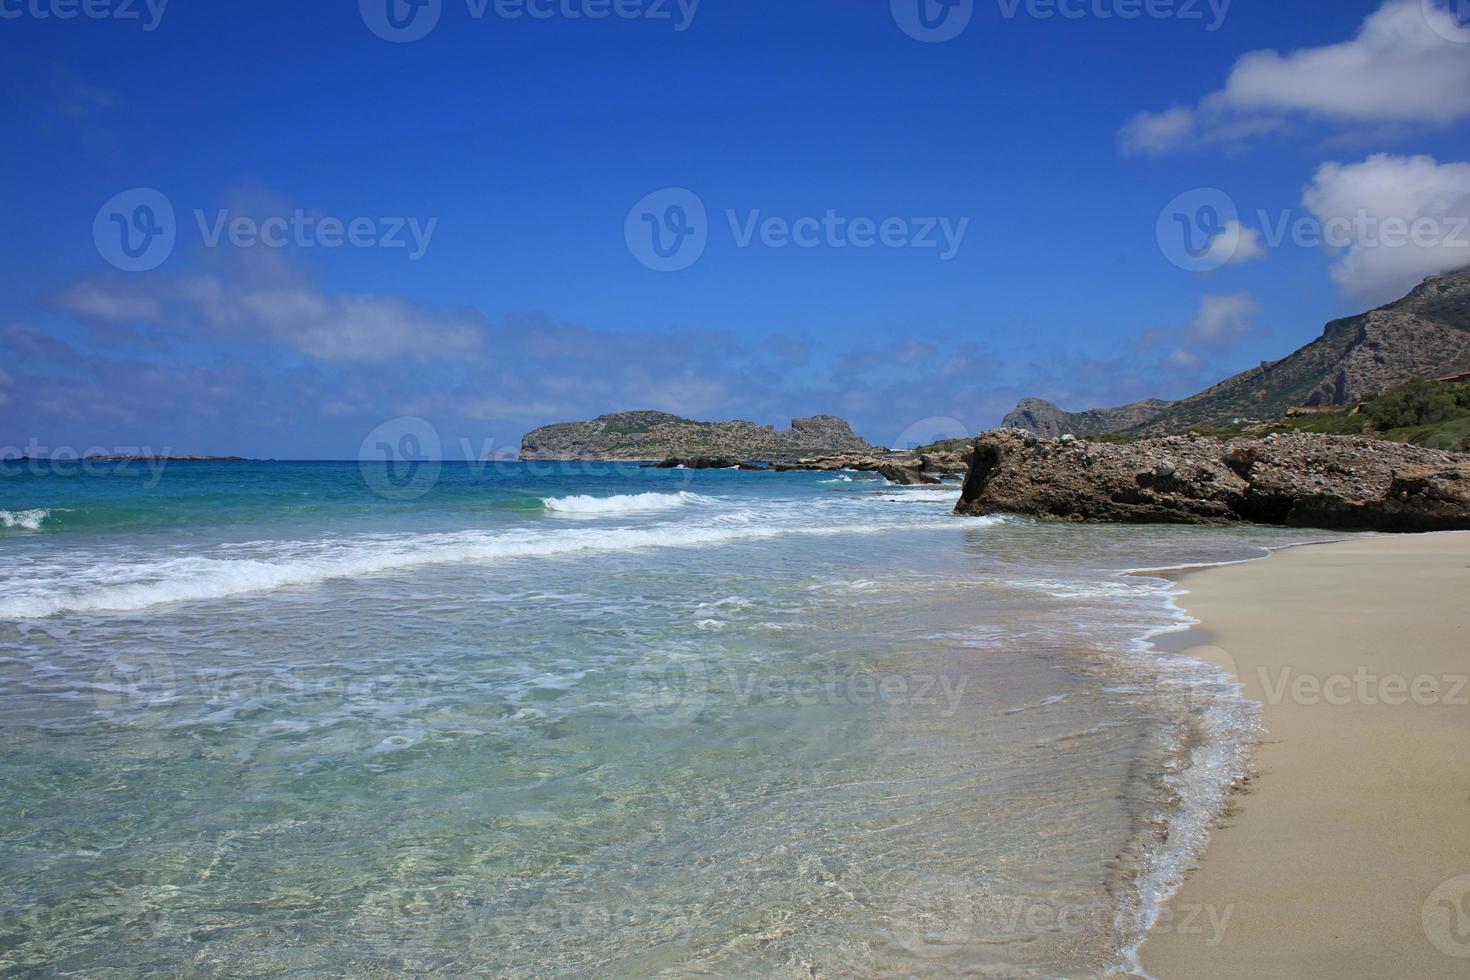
<point x="658" y="435"/>
<point x="1300" y="480"/>
<point x="1424" y="335"/>
<point x="1046" y="419"/>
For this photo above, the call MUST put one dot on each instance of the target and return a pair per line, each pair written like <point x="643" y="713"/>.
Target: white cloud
<point x="1402" y="67"/>
<point x="1394" y="220"/>
<point x="288" y="308"/>
<point x="1180" y="359"/>
<point x="1235" y="245"/>
<point x="1223" y="321"/>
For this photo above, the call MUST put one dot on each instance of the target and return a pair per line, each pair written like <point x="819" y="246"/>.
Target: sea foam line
<point x="638" y="503"/>
<point x="196" y="578"/>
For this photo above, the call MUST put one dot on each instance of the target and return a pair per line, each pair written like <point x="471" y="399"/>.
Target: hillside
<point x="1424" y="335"/>
<point x="658" y="435"/>
<point x="1046" y="419"/>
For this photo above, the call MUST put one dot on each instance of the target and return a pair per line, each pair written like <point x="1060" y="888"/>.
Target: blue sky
<point x="518" y="148"/>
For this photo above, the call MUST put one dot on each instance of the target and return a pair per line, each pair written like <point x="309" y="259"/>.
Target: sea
<point x="590" y="720"/>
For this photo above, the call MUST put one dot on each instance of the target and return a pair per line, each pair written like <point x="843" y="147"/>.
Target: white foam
<point x="638" y="503"/>
<point x="138" y="585"/>
<point x="29" y="519"/>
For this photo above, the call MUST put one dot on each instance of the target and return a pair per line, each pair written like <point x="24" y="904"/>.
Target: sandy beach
<point x="1347" y="854"/>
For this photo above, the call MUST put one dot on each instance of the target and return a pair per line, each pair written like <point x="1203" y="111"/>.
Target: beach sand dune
<point x="1349" y="855"/>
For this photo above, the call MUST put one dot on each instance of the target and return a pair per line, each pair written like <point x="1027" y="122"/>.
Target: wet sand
<point x="1341" y="857"/>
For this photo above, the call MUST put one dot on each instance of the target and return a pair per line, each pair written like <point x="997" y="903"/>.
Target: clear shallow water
<point x="260" y="720"/>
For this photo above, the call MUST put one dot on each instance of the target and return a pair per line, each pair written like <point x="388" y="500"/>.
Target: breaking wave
<point x="31" y="520"/>
<point x="135" y="586"/>
<point x="638" y="503"/>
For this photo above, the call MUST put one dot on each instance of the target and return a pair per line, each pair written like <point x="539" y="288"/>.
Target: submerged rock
<point x="1301" y="480"/>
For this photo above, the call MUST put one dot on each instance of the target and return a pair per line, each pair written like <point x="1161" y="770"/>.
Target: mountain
<point x="1424" y="335"/>
<point x="658" y="435"/>
<point x="1045" y="419"/>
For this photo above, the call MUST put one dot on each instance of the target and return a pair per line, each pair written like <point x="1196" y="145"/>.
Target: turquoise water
<point x="566" y="720"/>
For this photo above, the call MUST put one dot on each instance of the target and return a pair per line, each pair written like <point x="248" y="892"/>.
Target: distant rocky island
<point x="1426" y="334"/>
<point x="135" y="458"/>
<point x="646" y="436"/>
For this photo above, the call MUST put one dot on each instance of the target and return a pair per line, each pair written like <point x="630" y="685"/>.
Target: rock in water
<point x="1301" y="480"/>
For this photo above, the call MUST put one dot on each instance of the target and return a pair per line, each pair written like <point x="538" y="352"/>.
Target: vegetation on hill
<point x="1421" y="413"/>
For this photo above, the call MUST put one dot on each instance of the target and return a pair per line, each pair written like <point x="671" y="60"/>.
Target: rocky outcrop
<point x="704" y="463"/>
<point x="633" y="436"/>
<point x="1300" y="480"/>
<point x="1046" y="419"/>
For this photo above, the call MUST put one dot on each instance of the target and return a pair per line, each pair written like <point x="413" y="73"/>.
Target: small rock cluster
<point x="907" y="469"/>
<point x="1297" y="480"/>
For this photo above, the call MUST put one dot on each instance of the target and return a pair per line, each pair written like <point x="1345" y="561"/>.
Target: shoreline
<point x="1329" y="858"/>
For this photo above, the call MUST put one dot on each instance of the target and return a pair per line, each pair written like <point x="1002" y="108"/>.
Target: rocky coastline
<point x="1296" y="480"/>
<point x="906" y="469"/>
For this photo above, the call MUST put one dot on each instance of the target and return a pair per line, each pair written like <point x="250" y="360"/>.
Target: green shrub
<point x="1416" y="403"/>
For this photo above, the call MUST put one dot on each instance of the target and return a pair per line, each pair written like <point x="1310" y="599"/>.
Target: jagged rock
<point x="699" y="463"/>
<point x="1300" y="480"/>
<point x="907" y="476"/>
